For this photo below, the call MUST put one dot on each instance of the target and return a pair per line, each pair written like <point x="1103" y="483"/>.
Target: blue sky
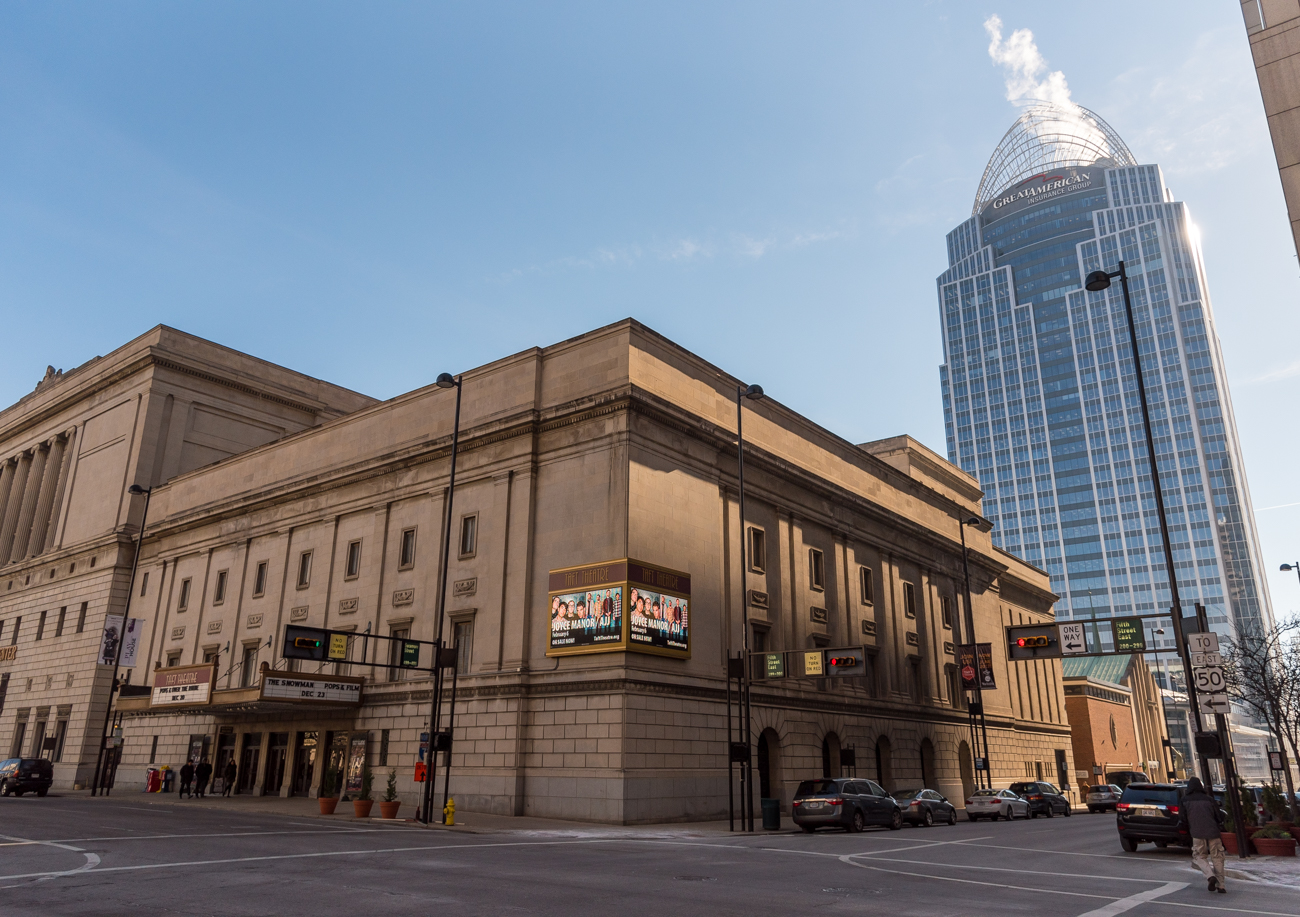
<point x="374" y="193"/>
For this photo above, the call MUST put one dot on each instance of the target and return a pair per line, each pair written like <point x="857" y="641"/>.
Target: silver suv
<point x="1103" y="796"/>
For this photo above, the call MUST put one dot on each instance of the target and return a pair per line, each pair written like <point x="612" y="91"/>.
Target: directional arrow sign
<point x="1215" y="703"/>
<point x="1071" y="639"/>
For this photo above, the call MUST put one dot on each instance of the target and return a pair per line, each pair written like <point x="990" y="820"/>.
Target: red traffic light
<point x="1031" y="641"/>
<point x="842" y="662"/>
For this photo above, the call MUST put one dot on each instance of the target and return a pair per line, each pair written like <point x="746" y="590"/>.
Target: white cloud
<point x="1023" y="64"/>
<point x="1289" y="371"/>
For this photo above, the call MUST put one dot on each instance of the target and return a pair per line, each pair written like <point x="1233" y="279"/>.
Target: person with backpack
<point x="1204" y="821"/>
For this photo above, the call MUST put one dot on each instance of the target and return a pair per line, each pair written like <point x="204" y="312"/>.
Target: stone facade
<point x="615" y="444"/>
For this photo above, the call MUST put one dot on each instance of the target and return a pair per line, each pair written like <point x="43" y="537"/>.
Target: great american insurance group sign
<point x="1042" y="187"/>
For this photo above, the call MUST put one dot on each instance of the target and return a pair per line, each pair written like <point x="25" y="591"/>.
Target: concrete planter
<point x="1229" y="839"/>
<point x="361" y="807"/>
<point x="389" y="809"/>
<point x="1274" y="846"/>
<point x="328" y="804"/>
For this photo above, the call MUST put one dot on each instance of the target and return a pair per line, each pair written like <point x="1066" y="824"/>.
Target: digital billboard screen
<point x="587" y="619"/>
<point x="617" y="606"/>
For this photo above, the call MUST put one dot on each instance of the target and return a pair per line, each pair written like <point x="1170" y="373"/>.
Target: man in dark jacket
<point x="202" y="774"/>
<point x="1204" y="820"/>
<point x="187" y="779"/>
<point x="228" y="784"/>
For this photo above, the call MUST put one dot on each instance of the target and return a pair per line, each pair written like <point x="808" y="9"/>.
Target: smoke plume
<point x="1020" y="59"/>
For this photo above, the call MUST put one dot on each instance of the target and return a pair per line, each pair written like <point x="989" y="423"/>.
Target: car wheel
<point x="41" y="793"/>
<point x="18" y="792"/>
<point x="808" y="829"/>
<point x="896" y="821"/>
<point x="858" y="821"/>
<point x="4" y="787"/>
<point x="1067" y="813"/>
<point x="1128" y="844"/>
<point x="972" y="818"/>
<point x="1051" y="810"/>
<point x="1033" y="812"/>
<point x="952" y="816"/>
<point x="928" y="819"/>
<point x="1093" y="810"/>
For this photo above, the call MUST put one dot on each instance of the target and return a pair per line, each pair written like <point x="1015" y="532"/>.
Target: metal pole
<point x="435" y="712"/>
<point x="987" y="779"/>
<point x="747" y="767"/>
<point x="95" y="788"/>
<point x="1171" y="571"/>
<point x="451" y="726"/>
<point x="731" y="779"/>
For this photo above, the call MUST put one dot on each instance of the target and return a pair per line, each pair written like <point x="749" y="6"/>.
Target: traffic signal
<point x="309" y="643"/>
<point x="1031" y="641"/>
<point x="842" y="663"/>
<point x="1208" y="745"/>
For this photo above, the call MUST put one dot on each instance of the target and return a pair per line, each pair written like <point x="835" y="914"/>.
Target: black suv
<point x="847" y="804"/>
<point x="22" y="775"/>
<point x="1151" y="812"/>
<point x="1043" y="799"/>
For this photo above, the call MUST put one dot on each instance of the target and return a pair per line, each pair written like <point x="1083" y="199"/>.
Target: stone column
<point x="31" y="494"/>
<point x="6" y="484"/>
<point x="56" y="505"/>
<point x="45" y="501"/>
<point x="13" y="506"/>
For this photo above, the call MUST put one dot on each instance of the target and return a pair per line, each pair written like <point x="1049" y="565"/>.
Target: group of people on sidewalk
<point x="194" y="779"/>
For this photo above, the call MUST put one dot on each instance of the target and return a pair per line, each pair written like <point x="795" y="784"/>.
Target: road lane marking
<point x="1132" y="901"/>
<point x="1019" y="869"/>
<point x="163" y="837"/>
<point x="92" y="859"/>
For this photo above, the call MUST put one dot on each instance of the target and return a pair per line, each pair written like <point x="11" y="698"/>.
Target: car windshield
<point x="1150" y="795"/>
<point x="1019" y="788"/>
<point x="907" y="794"/>
<point x="1104" y="788"/>
<point x="987" y="793"/>
<point x="817" y="787"/>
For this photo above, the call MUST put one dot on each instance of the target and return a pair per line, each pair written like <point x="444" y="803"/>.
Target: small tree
<point x="329" y="785"/>
<point x="367" y="782"/>
<point x="1263" y="673"/>
<point x="390" y="791"/>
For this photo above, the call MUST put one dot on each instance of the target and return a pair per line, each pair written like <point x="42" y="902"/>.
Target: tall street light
<point x="753" y="393"/>
<point x="987" y="778"/>
<point x="1096" y="282"/>
<point x="1294" y="565"/>
<point x="134" y="490"/>
<point x="444" y="380"/>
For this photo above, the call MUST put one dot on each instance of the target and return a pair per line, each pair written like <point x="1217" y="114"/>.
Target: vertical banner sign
<point x="130" y="641"/>
<point x="966" y="666"/>
<point x="356" y="761"/>
<point x="984" y="652"/>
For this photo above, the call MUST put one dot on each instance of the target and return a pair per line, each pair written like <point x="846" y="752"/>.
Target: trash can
<point x="153" y="780"/>
<point x="771" y="815"/>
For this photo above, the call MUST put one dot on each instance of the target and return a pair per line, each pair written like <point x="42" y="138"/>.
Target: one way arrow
<point x="1073" y="646"/>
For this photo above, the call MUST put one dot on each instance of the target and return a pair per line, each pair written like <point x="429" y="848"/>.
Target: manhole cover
<point x="694" y="878"/>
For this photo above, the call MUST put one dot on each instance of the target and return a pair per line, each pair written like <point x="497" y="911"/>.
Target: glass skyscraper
<point x="1039" y="394"/>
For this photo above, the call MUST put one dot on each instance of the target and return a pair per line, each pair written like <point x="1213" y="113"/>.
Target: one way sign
<point x="1071" y="639"/>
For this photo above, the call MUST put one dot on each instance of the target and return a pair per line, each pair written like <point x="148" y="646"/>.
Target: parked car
<point x="25" y="775"/>
<point x="1043" y="798"/>
<point x="1122" y="779"/>
<point x="1103" y="796"/>
<point x="995" y="804"/>
<point x="1256" y="792"/>
<point x="925" y="807"/>
<point x="1150" y="812"/>
<point x="847" y="804"/>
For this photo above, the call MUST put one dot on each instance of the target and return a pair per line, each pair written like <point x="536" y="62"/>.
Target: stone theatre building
<point x="280" y="500"/>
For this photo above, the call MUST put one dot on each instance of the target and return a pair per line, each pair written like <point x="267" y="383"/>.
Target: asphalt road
<point x="102" y="857"/>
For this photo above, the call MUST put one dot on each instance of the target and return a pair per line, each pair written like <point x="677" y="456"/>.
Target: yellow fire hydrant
<point x="449" y="813"/>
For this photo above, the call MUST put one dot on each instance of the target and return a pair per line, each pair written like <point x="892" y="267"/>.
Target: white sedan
<point x="995" y="804"/>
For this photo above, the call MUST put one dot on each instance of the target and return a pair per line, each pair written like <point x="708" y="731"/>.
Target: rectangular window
<point x="173" y="658"/>
<point x="816" y="569"/>
<point x="219" y="593"/>
<point x="946" y="605"/>
<point x="259" y="579"/>
<point x="353" y="569"/>
<point x="209" y="653"/>
<point x="153" y="750"/>
<point x="184" y="601"/>
<point x="60" y="733"/>
<point x="759" y="642"/>
<point x="20" y="732"/>
<point x="383" y="748"/>
<point x="40" y="626"/>
<point x="81" y="618"/>
<point x="406" y="559"/>
<point x="2" y="628"/>
<point x="464" y="637"/>
<point x="304" y="569"/>
<point x="757" y="550"/>
<point x="144" y="583"/>
<point x="248" y="671"/>
<point x="866" y="587"/>
<point x="468" y="535"/>
<point x="63" y="617"/>
<point x="18" y="623"/>
<point x="38" y="739"/>
<point x="395" y="652"/>
<point x="909" y="600"/>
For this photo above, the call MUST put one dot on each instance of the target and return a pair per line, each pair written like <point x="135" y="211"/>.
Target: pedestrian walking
<point x="229" y="776"/>
<point x="202" y="774"/>
<point x="1204" y="820"/>
<point x="187" y="780"/>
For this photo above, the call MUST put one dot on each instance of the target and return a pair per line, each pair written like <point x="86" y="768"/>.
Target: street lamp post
<point x="987" y="778"/>
<point x="1096" y="282"/>
<point x="1294" y="565"/>
<point x="444" y="380"/>
<point x="134" y="490"/>
<point x="753" y="393"/>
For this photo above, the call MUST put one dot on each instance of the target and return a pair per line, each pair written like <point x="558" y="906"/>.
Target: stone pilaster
<point x="31" y="495"/>
<point x="45" y="502"/>
<point x="13" y="506"/>
<point x="6" y="484"/>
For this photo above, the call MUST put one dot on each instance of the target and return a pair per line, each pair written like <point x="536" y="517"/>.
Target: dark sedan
<point x="925" y="807"/>
<point x="847" y="804"/>
<point x="1043" y="799"/>
<point x="25" y="775"/>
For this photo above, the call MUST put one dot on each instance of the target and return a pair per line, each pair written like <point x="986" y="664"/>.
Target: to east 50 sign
<point x="619" y="606"/>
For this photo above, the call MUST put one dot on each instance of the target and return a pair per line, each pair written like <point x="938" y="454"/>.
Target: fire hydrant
<point x="449" y="812"/>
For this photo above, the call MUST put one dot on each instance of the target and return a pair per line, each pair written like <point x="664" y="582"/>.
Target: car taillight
<point x="914" y="805"/>
<point x="1121" y="805"/>
<point x="1035" y="798"/>
<point x="797" y="802"/>
<point x="970" y="802"/>
<point x="1173" y="809"/>
<point x="836" y="802"/>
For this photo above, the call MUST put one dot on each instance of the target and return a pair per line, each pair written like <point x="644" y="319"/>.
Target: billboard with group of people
<point x="618" y="606"/>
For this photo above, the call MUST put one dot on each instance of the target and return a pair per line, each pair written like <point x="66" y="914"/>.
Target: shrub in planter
<point x="363" y="802"/>
<point x="329" y="791"/>
<point x="1275" y="804"/>
<point x="1274" y="841"/>
<point x="389" y="805"/>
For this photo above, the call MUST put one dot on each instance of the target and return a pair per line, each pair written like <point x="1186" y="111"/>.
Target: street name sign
<point x="1129" y="635"/>
<point x="1071" y="638"/>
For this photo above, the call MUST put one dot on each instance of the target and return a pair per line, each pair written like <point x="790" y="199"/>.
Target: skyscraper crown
<point x="1049" y="137"/>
